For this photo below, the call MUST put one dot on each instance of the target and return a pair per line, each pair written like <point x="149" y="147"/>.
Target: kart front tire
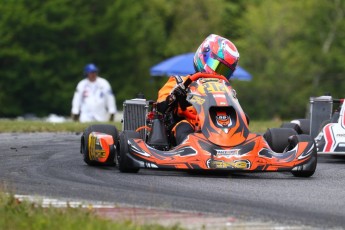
<point x="122" y="160"/>
<point x="304" y="125"/>
<point x="278" y="138"/>
<point x="107" y="129"/>
<point x="307" y="169"/>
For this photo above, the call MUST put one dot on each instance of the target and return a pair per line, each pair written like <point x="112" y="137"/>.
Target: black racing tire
<point x="307" y="169"/>
<point x="123" y="162"/>
<point x="278" y="138"/>
<point x="107" y="129"/>
<point x="304" y="125"/>
<point x="293" y="126"/>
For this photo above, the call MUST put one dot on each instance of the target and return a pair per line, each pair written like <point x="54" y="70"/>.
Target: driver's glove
<point x="179" y="90"/>
<point x="179" y="94"/>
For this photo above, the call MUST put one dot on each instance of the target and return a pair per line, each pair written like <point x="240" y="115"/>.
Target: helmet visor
<point x="219" y="67"/>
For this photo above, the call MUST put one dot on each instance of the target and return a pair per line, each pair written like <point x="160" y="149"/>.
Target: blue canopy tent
<point x="183" y="65"/>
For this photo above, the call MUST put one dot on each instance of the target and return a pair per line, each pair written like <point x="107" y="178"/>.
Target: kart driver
<point x="216" y="55"/>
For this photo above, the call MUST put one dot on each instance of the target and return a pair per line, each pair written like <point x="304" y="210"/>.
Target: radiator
<point x="134" y="115"/>
<point x="320" y="110"/>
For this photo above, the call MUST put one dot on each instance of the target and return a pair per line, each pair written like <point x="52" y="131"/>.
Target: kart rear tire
<point x="293" y="126"/>
<point x="308" y="169"/>
<point x="122" y="160"/>
<point x="107" y="129"/>
<point x="278" y="138"/>
<point x="304" y="125"/>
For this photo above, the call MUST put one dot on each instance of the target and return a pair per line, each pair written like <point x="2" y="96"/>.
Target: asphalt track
<point x="49" y="164"/>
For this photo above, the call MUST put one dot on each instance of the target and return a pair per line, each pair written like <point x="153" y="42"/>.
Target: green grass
<point x="24" y="215"/>
<point x="262" y="126"/>
<point x="41" y="126"/>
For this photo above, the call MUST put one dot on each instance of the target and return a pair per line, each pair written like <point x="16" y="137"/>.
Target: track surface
<point x="50" y="164"/>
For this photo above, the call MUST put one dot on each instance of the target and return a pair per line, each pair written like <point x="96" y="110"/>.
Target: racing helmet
<point x="216" y="55"/>
<point x="90" y="68"/>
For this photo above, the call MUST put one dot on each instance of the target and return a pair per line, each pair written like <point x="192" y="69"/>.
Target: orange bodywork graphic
<point x="99" y="149"/>
<point x="197" y="153"/>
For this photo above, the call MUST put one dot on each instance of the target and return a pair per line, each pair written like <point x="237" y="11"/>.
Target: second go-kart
<point x="222" y="140"/>
<point x="326" y="125"/>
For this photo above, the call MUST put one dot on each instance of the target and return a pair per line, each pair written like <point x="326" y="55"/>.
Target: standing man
<point x="93" y="99"/>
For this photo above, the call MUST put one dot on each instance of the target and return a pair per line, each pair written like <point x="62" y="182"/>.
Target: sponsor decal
<point x="223" y="119"/>
<point x="196" y="99"/>
<point x="95" y="148"/>
<point x="237" y="164"/>
<point x="340" y="135"/>
<point x="219" y="96"/>
<point x="214" y="87"/>
<point x="150" y="165"/>
<point x="227" y="152"/>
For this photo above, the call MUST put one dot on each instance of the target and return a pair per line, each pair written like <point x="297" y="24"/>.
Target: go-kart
<point x="222" y="140"/>
<point x="326" y="125"/>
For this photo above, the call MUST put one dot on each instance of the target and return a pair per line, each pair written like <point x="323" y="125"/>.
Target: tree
<point x="44" y="46"/>
<point x="41" y="52"/>
<point x="283" y="45"/>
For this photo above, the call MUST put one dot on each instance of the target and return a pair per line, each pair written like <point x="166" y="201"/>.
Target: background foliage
<point x="294" y="49"/>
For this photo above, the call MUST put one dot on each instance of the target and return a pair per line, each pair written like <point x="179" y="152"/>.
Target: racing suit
<point x="184" y="125"/>
<point x="94" y="101"/>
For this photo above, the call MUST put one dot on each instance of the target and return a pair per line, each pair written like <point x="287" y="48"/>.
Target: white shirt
<point x="94" y="101"/>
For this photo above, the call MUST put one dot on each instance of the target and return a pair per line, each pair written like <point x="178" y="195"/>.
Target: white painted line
<point x="63" y="203"/>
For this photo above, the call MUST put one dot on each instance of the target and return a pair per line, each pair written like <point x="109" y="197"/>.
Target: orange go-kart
<point x="222" y="140"/>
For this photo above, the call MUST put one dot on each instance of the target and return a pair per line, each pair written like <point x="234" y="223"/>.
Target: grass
<point x="24" y="215"/>
<point x="262" y="126"/>
<point x="41" y="126"/>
